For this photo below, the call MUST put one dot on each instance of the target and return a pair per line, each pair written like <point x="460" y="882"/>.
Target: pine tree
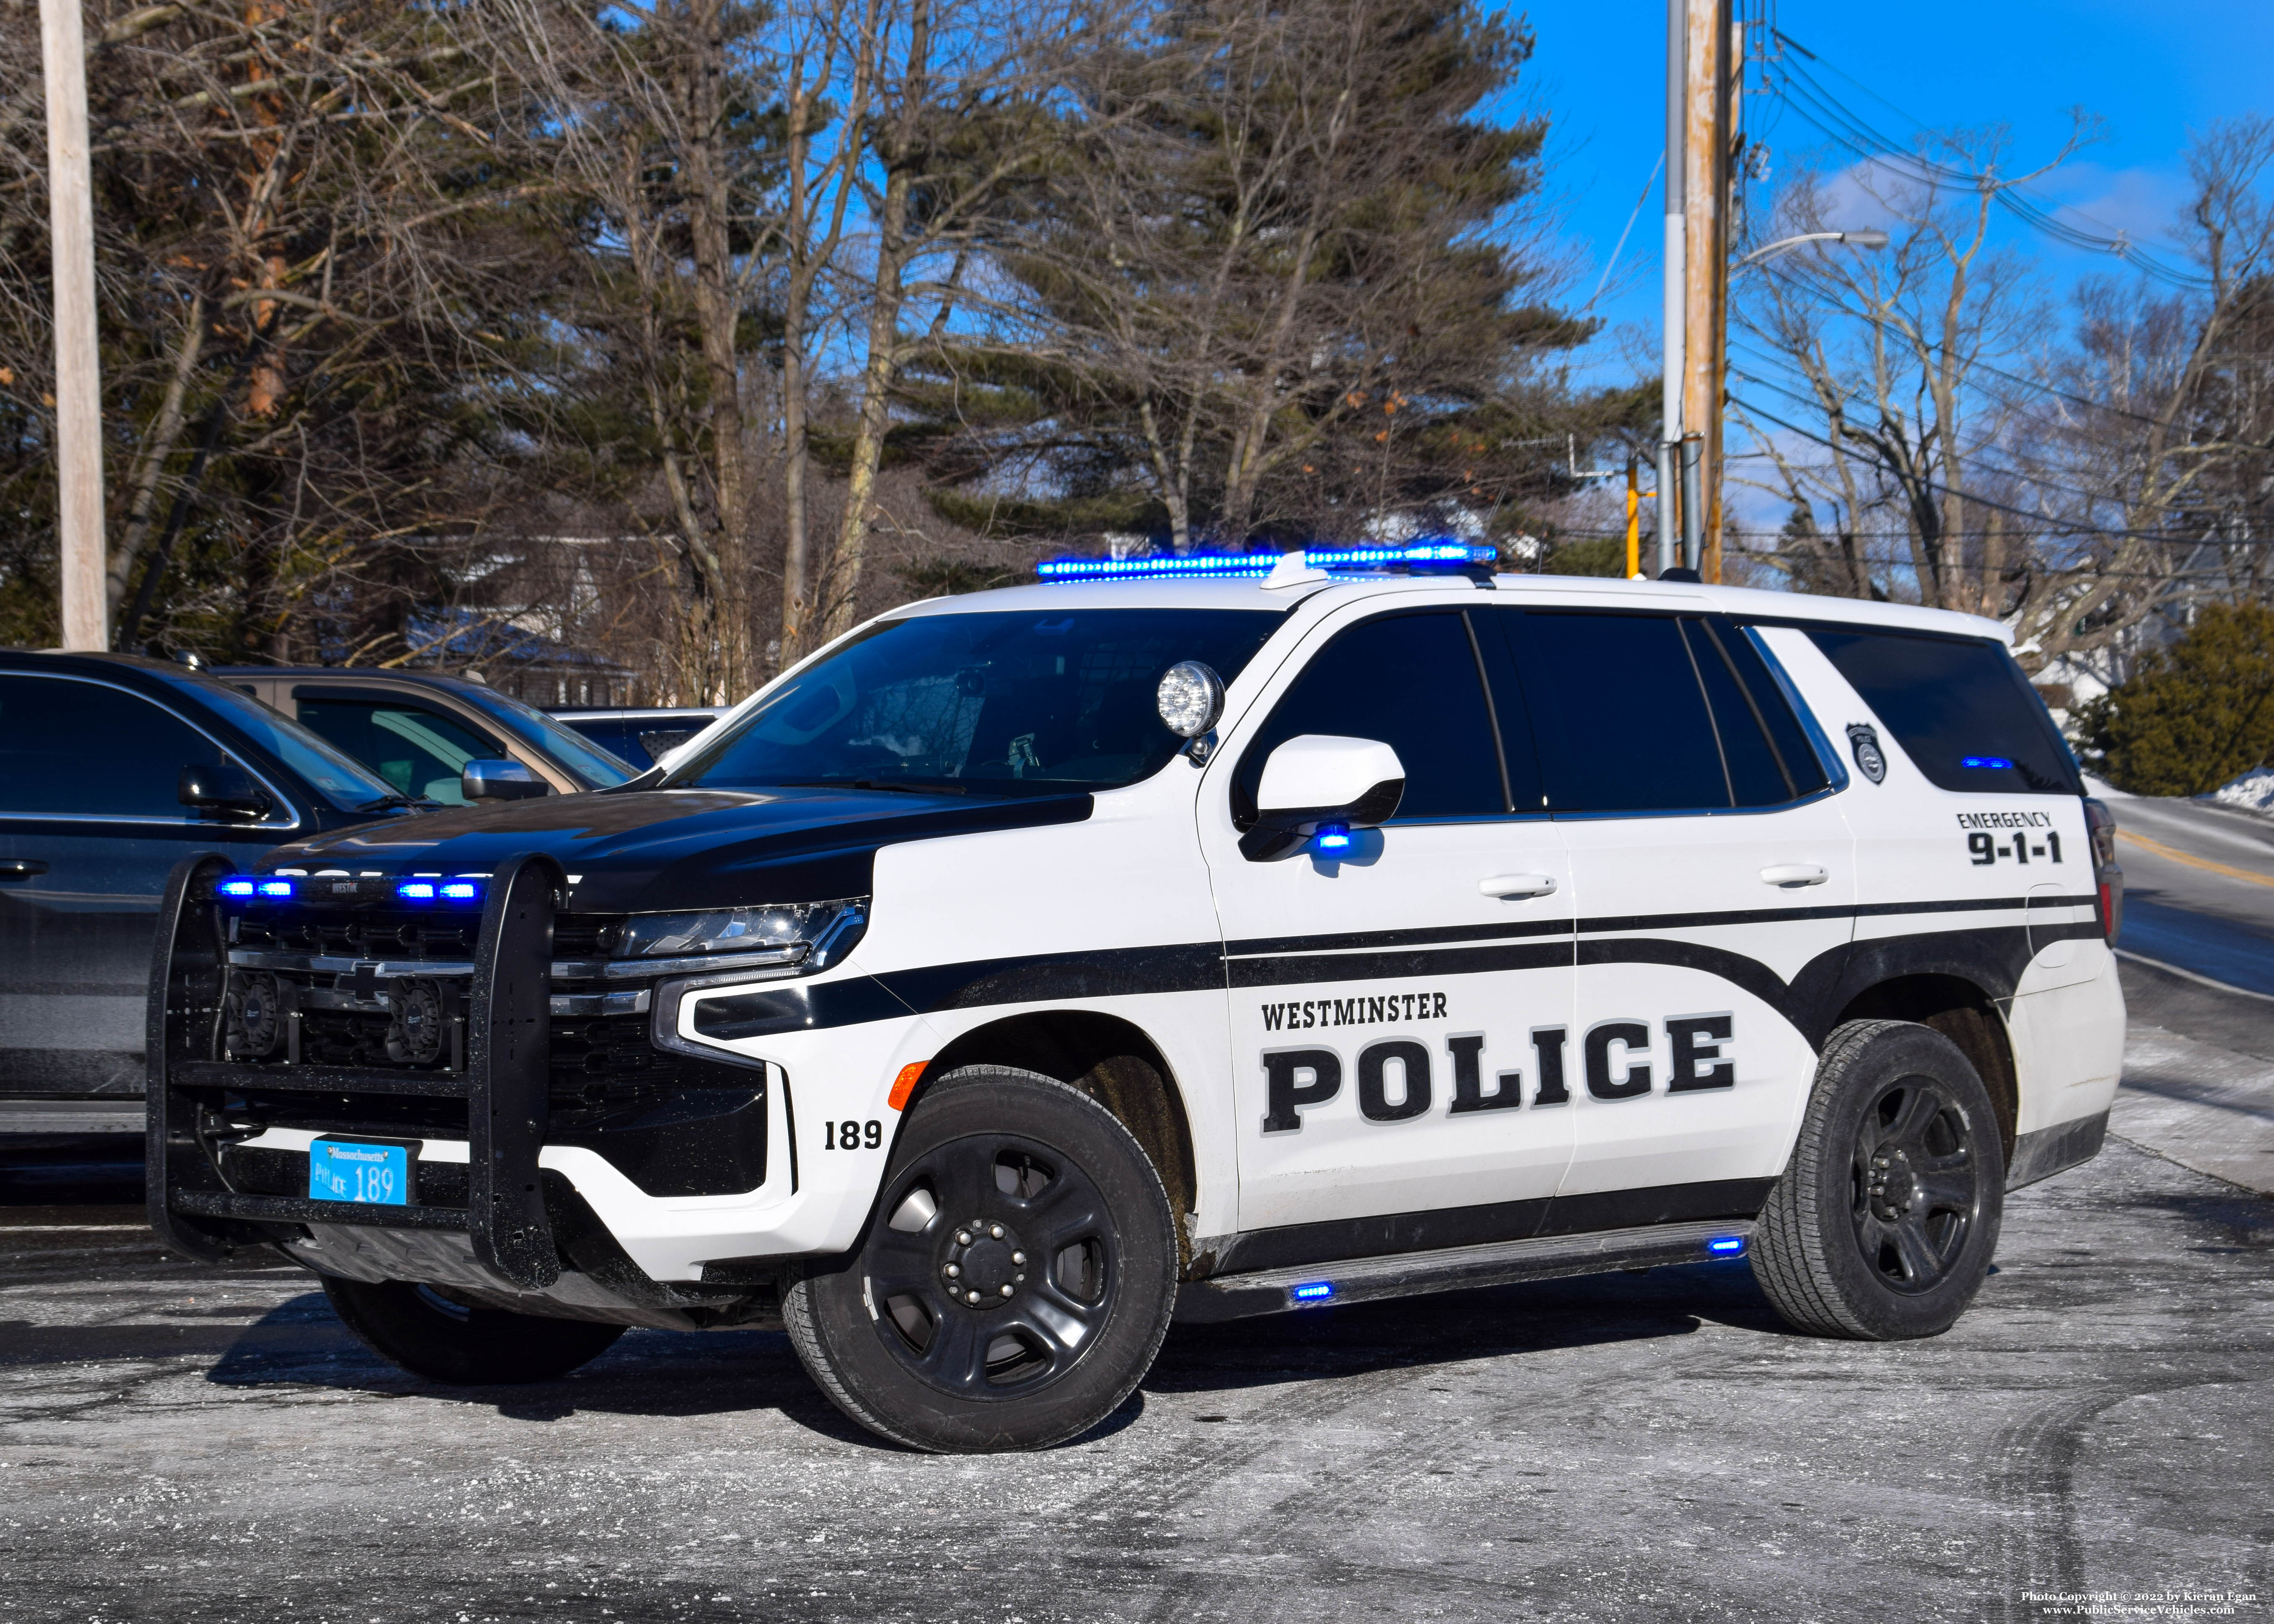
<point x="2194" y="716"/>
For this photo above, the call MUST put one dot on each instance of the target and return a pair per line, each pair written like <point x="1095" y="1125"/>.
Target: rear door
<point x="91" y="827"/>
<point x="1715" y="884"/>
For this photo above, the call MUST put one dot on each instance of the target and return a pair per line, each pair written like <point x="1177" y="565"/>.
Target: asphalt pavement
<point x="2199" y="888"/>
<point x="182" y="1442"/>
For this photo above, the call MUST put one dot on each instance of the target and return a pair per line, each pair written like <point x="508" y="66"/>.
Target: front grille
<point x="374" y="986"/>
<point x="344" y="1011"/>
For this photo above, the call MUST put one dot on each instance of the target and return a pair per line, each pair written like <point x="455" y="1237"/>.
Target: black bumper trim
<point x="300" y="1209"/>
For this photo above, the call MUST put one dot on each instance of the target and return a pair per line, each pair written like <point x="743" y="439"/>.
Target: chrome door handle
<point x="20" y="868"/>
<point x="1795" y="875"/>
<point x="1517" y="885"/>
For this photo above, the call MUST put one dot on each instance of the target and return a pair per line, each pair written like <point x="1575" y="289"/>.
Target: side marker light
<point x="905" y="1085"/>
<point x="1313" y="1291"/>
<point x="1727" y="1245"/>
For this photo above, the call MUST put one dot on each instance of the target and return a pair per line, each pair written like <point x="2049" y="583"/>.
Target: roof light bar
<point x="1442" y="555"/>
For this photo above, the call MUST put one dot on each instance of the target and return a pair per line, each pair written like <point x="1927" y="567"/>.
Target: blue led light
<point x="276" y="888"/>
<point x="415" y="891"/>
<point x="1456" y="554"/>
<point x="1333" y="838"/>
<point x="1314" y="1292"/>
<point x="1726" y="1246"/>
<point x="1985" y="761"/>
<point x="235" y="888"/>
<point x="461" y="890"/>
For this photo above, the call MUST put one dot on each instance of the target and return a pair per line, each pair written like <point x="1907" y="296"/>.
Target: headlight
<point x="812" y="933"/>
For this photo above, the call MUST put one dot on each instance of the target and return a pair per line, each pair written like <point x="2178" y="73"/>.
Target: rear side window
<point x="1410" y="681"/>
<point x="1958" y="706"/>
<point x="1640" y="713"/>
<point x="1771" y="760"/>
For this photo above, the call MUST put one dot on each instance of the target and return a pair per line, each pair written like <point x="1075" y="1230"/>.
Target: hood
<point x="655" y="850"/>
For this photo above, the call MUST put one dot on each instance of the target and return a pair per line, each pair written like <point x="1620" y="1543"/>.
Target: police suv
<point x="1175" y="939"/>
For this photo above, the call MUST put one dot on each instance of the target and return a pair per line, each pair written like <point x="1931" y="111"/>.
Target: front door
<point x="1398" y="1012"/>
<point x="90" y="826"/>
<point x="1715" y="885"/>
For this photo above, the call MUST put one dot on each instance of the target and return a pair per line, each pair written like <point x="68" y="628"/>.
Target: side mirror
<point x="499" y="780"/>
<point x="1321" y="785"/>
<point x="225" y="789"/>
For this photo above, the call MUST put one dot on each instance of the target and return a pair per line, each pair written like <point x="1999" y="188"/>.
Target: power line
<point x="2056" y="526"/>
<point x="1818" y="106"/>
<point x="1978" y="458"/>
<point x="1803" y="286"/>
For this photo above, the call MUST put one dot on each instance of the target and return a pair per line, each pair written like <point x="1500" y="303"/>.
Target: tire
<point x="993" y="1164"/>
<point x="1885" y="1222"/>
<point x="430" y="1335"/>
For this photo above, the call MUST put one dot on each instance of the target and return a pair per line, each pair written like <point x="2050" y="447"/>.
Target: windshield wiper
<point x="386" y="802"/>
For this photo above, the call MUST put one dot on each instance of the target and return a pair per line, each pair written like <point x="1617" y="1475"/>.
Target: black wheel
<point x="429" y="1335"/>
<point x="1885" y="1222"/>
<point x="1014" y="1281"/>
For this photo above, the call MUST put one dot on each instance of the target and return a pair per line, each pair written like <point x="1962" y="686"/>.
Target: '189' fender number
<point x="851" y="1135"/>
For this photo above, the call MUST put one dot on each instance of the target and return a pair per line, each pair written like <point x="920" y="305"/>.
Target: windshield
<point x="1006" y="703"/>
<point x="347" y="782"/>
<point x="580" y="755"/>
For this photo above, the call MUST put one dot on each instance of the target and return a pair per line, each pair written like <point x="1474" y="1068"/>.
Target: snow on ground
<point x="2252" y="792"/>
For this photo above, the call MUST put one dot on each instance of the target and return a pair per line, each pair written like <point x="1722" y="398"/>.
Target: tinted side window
<point x="1410" y="681"/>
<point x="1758" y="773"/>
<point x="420" y="752"/>
<point x="80" y="746"/>
<point x="1615" y="706"/>
<point x="1786" y="735"/>
<point x="1960" y="708"/>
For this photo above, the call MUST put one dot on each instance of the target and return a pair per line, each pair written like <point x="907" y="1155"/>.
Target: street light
<point x="1870" y="236"/>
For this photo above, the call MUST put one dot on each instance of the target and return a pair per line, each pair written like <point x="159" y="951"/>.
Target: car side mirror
<point x="223" y="787"/>
<point x="1321" y="786"/>
<point x="499" y="780"/>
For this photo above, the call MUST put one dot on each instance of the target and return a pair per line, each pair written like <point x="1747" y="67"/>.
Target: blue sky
<point x="2154" y="74"/>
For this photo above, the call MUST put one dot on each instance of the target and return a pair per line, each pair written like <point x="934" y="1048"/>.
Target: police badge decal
<point x="1864" y="741"/>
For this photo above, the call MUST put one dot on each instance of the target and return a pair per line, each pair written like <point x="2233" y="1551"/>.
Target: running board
<point x="1458" y="1268"/>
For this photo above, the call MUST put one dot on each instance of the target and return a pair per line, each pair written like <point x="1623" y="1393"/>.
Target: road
<point x="2199" y="888"/>
<point x="180" y="1442"/>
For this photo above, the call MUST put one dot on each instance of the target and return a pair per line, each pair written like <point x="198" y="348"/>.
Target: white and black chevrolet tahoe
<point x="1027" y="969"/>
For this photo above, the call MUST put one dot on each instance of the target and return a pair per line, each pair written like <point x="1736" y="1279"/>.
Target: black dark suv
<point x="112" y="769"/>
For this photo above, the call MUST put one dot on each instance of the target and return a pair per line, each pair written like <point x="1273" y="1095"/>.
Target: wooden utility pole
<point x="1675" y="286"/>
<point x="1706" y="217"/>
<point x="78" y="379"/>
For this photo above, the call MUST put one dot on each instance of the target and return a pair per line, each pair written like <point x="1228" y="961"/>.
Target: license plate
<point x="356" y="1171"/>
